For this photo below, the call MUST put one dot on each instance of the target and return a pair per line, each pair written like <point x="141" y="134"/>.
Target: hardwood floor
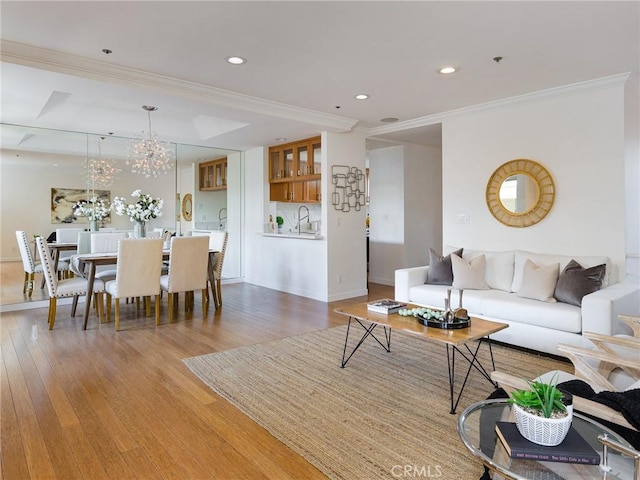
<point x="103" y="404"/>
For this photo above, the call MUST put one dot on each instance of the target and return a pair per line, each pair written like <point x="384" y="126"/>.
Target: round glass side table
<point x="476" y="427"/>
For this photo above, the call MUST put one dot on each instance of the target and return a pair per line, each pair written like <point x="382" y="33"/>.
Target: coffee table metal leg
<point x="368" y="330"/>
<point x="473" y="361"/>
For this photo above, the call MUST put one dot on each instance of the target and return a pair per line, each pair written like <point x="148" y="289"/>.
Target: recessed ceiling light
<point x="448" y="69"/>
<point x="361" y="96"/>
<point x="106" y="51"/>
<point x="280" y="139"/>
<point x="389" y="119"/>
<point x="236" y="60"/>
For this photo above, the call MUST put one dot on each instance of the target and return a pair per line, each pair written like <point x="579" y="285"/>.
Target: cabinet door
<point x="316" y="159"/>
<point x="275" y="165"/>
<point x="313" y="192"/>
<point x="302" y="156"/>
<point x="279" y="192"/>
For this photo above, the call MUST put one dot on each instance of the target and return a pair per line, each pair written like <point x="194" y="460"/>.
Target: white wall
<point x="632" y="175"/>
<point x="579" y="139"/>
<point x="386" y="213"/>
<point x="346" y="271"/>
<point x="25" y="196"/>
<point x="405" y="208"/>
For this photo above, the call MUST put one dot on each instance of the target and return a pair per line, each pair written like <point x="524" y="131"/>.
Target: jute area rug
<point x="382" y="414"/>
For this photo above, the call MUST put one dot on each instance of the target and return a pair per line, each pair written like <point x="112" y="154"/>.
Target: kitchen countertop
<point x="300" y="236"/>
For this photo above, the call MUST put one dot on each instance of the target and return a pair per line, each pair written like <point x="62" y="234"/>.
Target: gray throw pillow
<point x="440" y="270"/>
<point x="575" y="282"/>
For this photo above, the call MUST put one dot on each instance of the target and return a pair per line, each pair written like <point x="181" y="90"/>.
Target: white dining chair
<point x="67" y="235"/>
<point x="137" y="274"/>
<point x="30" y="267"/>
<point x="72" y="287"/>
<point x="218" y="242"/>
<point x="188" y="261"/>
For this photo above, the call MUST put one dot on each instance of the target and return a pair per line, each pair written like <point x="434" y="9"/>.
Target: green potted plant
<point x="280" y="222"/>
<point x="542" y="413"/>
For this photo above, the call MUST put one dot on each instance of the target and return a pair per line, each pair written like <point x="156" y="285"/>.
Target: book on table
<point x="386" y="305"/>
<point x="573" y="449"/>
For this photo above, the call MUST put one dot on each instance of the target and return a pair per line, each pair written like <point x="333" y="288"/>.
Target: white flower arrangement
<point x="93" y="209"/>
<point x="143" y="210"/>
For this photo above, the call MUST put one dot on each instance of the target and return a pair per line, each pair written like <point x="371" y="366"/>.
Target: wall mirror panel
<point x="520" y="193"/>
<point x="35" y="160"/>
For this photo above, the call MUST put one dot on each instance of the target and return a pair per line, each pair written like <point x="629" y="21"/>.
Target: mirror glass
<point x="35" y="160"/>
<point x="519" y="193"/>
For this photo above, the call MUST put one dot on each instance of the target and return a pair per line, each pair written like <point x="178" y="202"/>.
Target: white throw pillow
<point x="539" y="282"/>
<point x="499" y="271"/>
<point x="469" y="275"/>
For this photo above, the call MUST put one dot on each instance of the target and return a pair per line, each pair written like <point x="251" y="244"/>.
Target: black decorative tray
<point x="457" y="323"/>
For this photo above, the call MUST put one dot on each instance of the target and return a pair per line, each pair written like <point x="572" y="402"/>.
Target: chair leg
<point x="26" y="282"/>
<point x="205" y="302"/>
<point x="147" y="305"/>
<point x="74" y="305"/>
<point x="108" y="308"/>
<point x="157" y="307"/>
<point x="99" y="303"/>
<point x="52" y="311"/>
<point x="219" y="292"/>
<point x="170" y="297"/>
<point x="117" y="314"/>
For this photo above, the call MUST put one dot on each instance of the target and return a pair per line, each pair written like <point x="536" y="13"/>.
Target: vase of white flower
<point x="140" y="212"/>
<point x="94" y="209"/>
<point x="140" y="230"/>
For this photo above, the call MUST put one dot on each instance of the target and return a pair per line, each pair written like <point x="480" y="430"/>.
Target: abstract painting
<point x="63" y="200"/>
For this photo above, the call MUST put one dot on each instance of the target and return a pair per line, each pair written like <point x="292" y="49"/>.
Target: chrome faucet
<point x="300" y="217"/>
<point x="222" y="217"/>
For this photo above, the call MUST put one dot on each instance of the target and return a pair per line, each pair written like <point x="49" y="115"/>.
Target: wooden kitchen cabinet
<point x="295" y="171"/>
<point x="213" y="175"/>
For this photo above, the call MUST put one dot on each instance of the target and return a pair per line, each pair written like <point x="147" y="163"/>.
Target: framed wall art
<point x="63" y="200"/>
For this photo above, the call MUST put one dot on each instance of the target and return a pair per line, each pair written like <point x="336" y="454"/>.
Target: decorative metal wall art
<point x="348" y="188"/>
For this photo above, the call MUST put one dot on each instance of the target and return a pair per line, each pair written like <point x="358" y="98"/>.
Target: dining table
<point x="94" y="260"/>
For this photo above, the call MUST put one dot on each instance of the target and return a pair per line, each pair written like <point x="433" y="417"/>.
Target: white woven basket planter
<point x="543" y="431"/>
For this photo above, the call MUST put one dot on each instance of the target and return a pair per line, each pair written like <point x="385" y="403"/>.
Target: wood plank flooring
<point x="100" y="404"/>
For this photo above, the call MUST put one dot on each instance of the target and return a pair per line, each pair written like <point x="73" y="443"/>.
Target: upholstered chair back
<point x="218" y="242"/>
<point x="106" y="242"/>
<point x="188" y="264"/>
<point x="50" y="276"/>
<point x="84" y="242"/>
<point x="25" y="251"/>
<point x="139" y="267"/>
<point x="67" y="235"/>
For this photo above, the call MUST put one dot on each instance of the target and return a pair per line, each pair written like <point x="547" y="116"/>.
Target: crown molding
<point x="565" y="90"/>
<point x="51" y="60"/>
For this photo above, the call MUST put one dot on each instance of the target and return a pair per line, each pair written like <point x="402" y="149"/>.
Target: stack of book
<point x="573" y="449"/>
<point x="385" y="305"/>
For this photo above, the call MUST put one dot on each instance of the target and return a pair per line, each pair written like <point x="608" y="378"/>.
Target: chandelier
<point x="149" y="156"/>
<point x="100" y="172"/>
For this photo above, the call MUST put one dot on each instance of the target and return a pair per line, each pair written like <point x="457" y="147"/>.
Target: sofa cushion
<point x="499" y="270"/>
<point x="539" y="282"/>
<point x="503" y="306"/>
<point x="469" y="275"/>
<point x="575" y="282"/>
<point x="440" y="271"/>
<point x="546" y="259"/>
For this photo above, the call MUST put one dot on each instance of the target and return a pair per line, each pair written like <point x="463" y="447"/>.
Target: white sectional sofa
<point x="534" y="324"/>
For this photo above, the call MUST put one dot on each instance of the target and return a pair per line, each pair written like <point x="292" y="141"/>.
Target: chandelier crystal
<point x="148" y="156"/>
<point x="100" y="172"/>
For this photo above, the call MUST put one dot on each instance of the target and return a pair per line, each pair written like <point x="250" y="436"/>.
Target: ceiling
<point x="305" y="63"/>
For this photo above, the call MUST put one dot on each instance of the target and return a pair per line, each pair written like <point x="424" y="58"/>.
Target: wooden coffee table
<point x="455" y="340"/>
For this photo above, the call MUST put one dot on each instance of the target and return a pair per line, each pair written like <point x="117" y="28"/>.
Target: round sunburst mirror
<point x="187" y="207"/>
<point x="520" y="193"/>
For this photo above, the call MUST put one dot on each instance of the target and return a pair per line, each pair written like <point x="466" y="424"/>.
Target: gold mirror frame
<point x="187" y="207"/>
<point x="546" y="195"/>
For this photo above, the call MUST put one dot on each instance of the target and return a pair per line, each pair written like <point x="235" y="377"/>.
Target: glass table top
<point x="476" y="427"/>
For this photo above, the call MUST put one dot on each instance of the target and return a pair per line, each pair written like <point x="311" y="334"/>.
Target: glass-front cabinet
<point x="295" y="171"/>
<point x="213" y="175"/>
